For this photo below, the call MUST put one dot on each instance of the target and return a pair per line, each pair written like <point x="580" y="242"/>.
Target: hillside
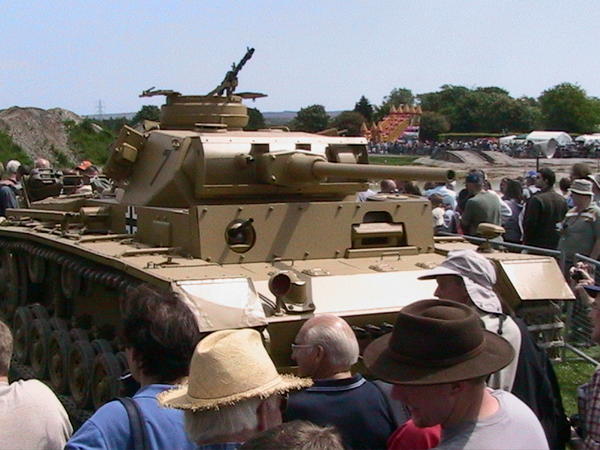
<point x="40" y="132"/>
<point x="64" y="137"/>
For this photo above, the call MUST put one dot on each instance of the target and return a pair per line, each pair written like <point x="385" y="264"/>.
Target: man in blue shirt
<point x="325" y="349"/>
<point x="9" y="186"/>
<point x="160" y="334"/>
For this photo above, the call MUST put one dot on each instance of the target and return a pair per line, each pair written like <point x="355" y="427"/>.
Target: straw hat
<point x="437" y="341"/>
<point x="227" y="367"/>
<point x="582" y="187"/>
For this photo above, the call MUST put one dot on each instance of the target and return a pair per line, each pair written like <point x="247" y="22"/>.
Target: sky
<point x="73" y="54"/>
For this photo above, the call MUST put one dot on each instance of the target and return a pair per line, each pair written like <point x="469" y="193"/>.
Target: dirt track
<point x="497" y="172"/>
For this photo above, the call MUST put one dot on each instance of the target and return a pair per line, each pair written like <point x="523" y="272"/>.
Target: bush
<point x="89" y="143"/>
<point x="9" y="150"/>
<point x="432" y="125"/>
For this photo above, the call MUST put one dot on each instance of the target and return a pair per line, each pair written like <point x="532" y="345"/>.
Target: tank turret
<point x="189" y="168"/>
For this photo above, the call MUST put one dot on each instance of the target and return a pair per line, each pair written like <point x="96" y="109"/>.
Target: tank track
<point x="77" y="416"/>
<point x="40" y="289"/>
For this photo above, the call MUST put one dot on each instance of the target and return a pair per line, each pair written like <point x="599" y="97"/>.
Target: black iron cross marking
<point x="166" y="154"/>
<point x="131" y="220"/>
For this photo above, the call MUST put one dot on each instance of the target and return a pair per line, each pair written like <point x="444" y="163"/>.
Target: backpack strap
<point x="501" y="319"/>
<point x="139" y="433"/>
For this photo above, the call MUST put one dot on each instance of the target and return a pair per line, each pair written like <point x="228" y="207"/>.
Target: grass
<point x="394" y="160"/>
<point x="9" y="150"/>
<point x="89" y="143"/>
<point x="571" y="375"/>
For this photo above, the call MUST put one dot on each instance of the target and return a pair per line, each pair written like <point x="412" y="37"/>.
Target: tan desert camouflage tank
<point x="255" y="229"/>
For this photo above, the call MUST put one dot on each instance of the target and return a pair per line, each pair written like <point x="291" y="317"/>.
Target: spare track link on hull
<point x="47" y="297"/>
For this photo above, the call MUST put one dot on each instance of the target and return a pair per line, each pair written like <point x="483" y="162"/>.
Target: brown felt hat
<point x="227" y="367"/>
<point x="437" y="341"/>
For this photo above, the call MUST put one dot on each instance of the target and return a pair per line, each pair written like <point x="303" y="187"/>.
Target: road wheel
<point x="81" y="366"/>
<point x="59" y="347"/>
<point x="40" y="340"/>
<point x="22" y="333"/>
<point x="105" y="380"/>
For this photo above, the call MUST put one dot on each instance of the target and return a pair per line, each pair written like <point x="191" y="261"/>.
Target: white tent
<point x="589" y="139"/>
<point x="507" y="139"/>
<point x="560" y="137"/>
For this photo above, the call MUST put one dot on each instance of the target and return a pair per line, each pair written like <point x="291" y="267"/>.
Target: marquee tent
<point x="589" y="139"/>
<point x="560" y="137"/>
<point x="507" y="139"/>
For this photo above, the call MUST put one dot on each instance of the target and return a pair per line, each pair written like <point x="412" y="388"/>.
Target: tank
<point x="254" y="229"/>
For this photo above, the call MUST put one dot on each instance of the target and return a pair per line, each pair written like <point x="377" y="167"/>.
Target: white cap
<point x="478" y="274"/>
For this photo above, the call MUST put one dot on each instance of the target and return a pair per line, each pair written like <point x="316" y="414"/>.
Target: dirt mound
<point x="39" y="132"/>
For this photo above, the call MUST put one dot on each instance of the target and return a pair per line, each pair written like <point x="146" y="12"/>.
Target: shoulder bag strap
<point x="136" y="423"/>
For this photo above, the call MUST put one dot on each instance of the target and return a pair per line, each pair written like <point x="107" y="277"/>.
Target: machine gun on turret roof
<point x="227" y="86"/>
<point x="230" y="82"/>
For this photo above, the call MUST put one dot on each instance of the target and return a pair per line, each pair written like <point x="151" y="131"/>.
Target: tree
<point x="485" y="109"/>
<point x="364" y="107"/>
<point x="256" y="120"/>
<point x="148" y="112"/>
<point x="443" y="101"/>
<point x="350" y="121"/>
<point x="396" y="97"/>
<point x="567" y="107"/>
<point x="311" y="119"/>
<point x="399" y="96"/>
<point x="432" y="125"/>
<point x="494" y="90"/>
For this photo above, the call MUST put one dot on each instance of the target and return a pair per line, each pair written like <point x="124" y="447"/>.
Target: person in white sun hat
<point x="468" y="277"/>
<point x="234" y="391"/>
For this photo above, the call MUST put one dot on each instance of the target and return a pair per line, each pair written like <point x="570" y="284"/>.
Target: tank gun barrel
<point x="292" y="168"/>
<point x="323" y="169"/>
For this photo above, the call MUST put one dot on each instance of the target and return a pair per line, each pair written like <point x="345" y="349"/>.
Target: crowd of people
<point x="530" y="209"/>
<point x="20" y="184"/>
<point x="459" y="371"/>
<point x="516" y="149"/>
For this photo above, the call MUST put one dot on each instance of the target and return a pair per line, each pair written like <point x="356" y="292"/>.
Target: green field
<point x="394" y="160"/>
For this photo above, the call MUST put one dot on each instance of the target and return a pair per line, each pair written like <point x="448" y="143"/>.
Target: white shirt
<point x="31" y="417"/>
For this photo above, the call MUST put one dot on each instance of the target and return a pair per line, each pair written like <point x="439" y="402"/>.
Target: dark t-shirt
<point x="8" y="198"/>
<point x="355" y="406"/>
<point x="544" y="212"/>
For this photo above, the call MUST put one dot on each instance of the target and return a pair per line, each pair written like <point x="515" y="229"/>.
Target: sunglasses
<point x="299" y="346"/>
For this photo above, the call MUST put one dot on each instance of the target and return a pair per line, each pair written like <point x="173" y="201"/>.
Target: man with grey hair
<point x="325" y="349"/>
<point x="30" y="403"/>
<point x="9" y="186"/>
<point x="234" y="391"/>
